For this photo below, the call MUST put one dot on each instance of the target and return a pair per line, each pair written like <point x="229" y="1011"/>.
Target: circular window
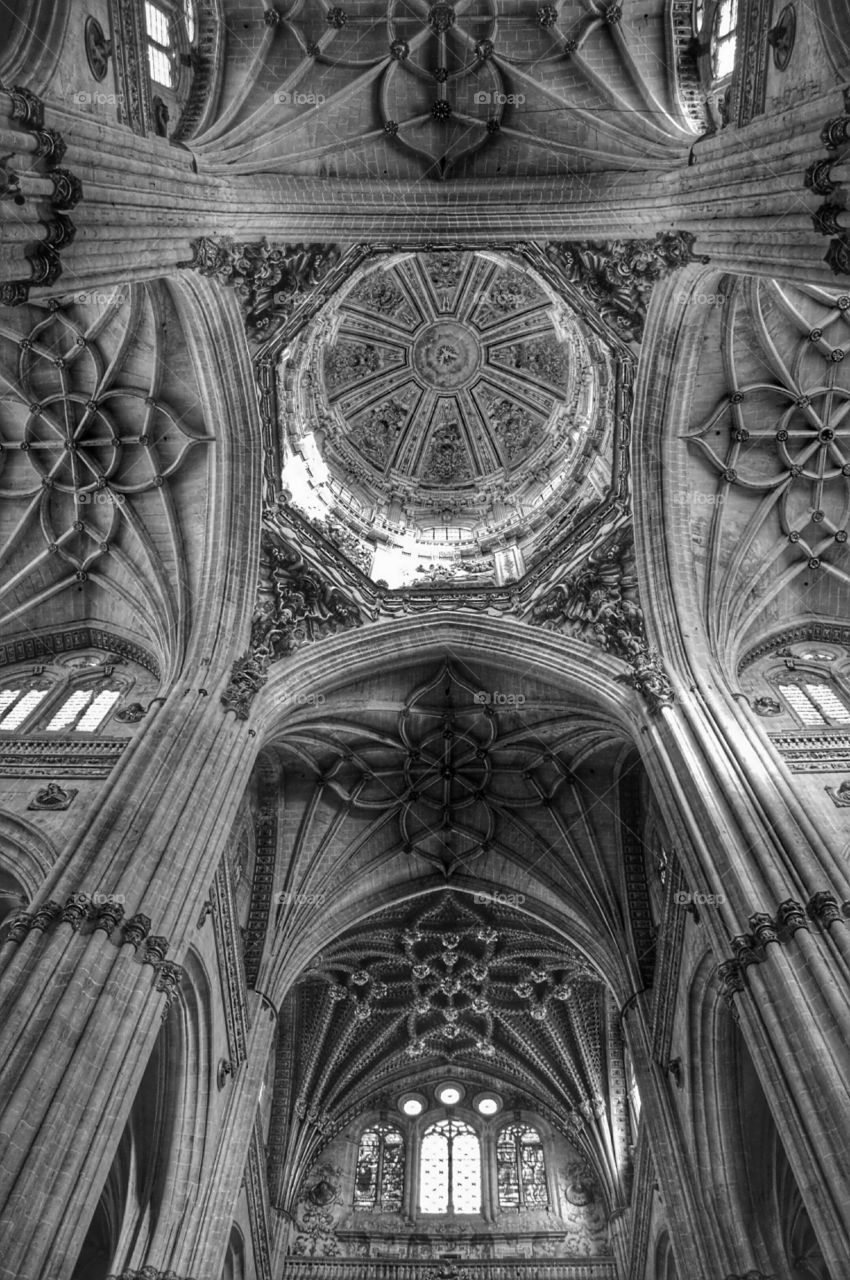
<point x="449" y="1094"/>
<point x="487" y="1104"/>
<point x="412" y="1104"/>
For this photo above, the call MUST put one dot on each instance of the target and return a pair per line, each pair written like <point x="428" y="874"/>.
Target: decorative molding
<point x="49" y="758"/>
<point x="669" y="964"/>
<point x="828" y="633"/>
<point x="642" y="1211"/>
<point x="807" y="752"/>
<point x="749" y="82"/>
<point x="53" y="644"/>
<point x="330" y="1268"/>
<point x="634" y="877"/>
<point x="130" y="64"/>
<point x="168" y="979"/>
<point x="147" y="1273"/>
<point x="265" y="857"/>
<point x="229" y="950"/>
<point x="258" y="1203"/>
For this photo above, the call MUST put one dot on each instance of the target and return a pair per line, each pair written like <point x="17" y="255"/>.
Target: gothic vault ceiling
<point x="446" y="985"/>
<point x="475" y="89"/>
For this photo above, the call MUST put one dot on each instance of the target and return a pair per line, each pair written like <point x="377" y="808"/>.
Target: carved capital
<point x="168" y="979"/>
<point x="155" y="948"/>
<point x="764" y="928"/>
<point x="45" y="915"/>
<point x="19" y="926"/>
<point x="817" y="177"/>
<point x="731" y="977"/>
<point x="746" y="951"/>
<point x="26" y="107"/>
<point x="107" y="915"/>
<point x="792" y="916"/>
<point x="136" y="929"/>
<point x="837" y="255"/>
<point x="824" y="908"/>
<point x="835" y="132"/>
<point x="826" y="219"/>
<point x="76" y="910"/>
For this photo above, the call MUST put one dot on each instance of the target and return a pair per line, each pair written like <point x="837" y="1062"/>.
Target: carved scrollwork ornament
<point x="824" y="908"/>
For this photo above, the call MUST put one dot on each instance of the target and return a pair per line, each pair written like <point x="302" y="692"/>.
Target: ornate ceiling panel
<point x="97" y="432"/>
<point x="769" y="492"/>
<point x="447" y="985"/>
<point x="443" y="401"/>
<point x="473" y="89"/>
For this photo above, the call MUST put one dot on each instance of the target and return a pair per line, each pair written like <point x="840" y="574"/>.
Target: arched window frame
<point x="381" y="1203"/>
<point x="452" y="1116"/>
<point x="486" y="1129"/>
<point x="515" y="1128"/>
<point x="171" y="32"/>
<point x="805" y="675"/>
<point x="58" y="688"/>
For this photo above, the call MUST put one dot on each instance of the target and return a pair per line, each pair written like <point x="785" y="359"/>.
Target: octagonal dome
<point x="442" y="406"/>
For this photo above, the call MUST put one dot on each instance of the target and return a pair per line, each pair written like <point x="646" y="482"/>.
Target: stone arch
<point x="234" y="1262"/>
<point x="160" y="1161"/>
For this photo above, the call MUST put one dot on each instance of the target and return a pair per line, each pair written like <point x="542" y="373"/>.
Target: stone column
<point x="81" y="992"/>
<point x="779" y="966"/>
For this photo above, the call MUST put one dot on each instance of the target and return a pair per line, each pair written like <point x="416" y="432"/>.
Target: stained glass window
<point x="379" y="1180"/>
<point x="521" y="1168"/>
<point x="450" y="1170"/>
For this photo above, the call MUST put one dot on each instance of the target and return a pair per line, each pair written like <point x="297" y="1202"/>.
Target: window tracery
<point x="450" y="1168"/>
<point x="814" y="699"/>
<point x="379" y="1180"/>
<point x="521" y="1168"/>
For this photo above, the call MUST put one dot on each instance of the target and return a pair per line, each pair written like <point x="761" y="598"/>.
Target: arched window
<point x="19" y="704"/>
<point x="450" y="1169"/>
<point x="379" y="1181"/>
<point x="84" y="710"/>
<point x="521" y="1168"/>
<point x="724" y="39"/>
<point x="170" y="26"/>
<point x="814" y="700"/>
<point x="160" y="45"/>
